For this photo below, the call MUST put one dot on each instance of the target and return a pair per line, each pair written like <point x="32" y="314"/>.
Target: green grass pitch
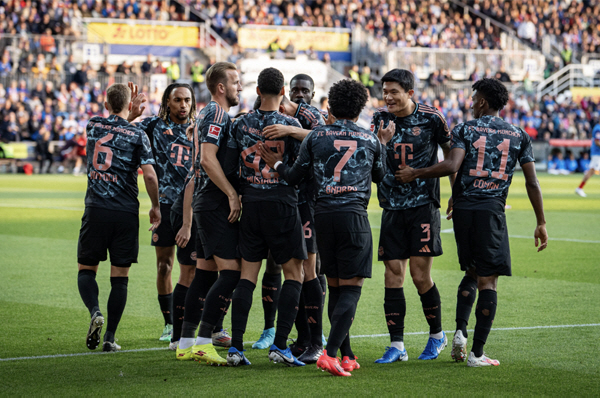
<point x="43" y="321"/>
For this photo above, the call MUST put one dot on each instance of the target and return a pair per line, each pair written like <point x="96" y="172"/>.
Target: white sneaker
<point x="173" y="345"/>
<point x="459" y="347"/>
<point x="107" y="346"/>
<point x="579" y="191"/>
<point x="476" y="362"/>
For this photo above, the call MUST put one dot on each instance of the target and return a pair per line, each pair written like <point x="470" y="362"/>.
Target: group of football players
<point x="288" y="183"/>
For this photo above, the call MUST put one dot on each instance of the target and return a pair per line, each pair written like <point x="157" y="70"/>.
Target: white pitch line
<point x="362" y="336"/>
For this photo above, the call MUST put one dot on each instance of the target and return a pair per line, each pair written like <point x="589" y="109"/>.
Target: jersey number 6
<point x="98" y="148"/>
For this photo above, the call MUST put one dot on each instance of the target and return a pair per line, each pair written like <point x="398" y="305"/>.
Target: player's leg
<point x="271" y="288"/>
<point x="313" y="301"/>
<point x="88" y="290"/>
<point x="394" y="252"/>
<point x="117" y="299"/>
<point x="467" y="293"/>
<point x="217" y="302"/>
<point x="594" y="165"/>
<point x="186" y="276"/>
<point x="165" y="257"/>
<point x="485" y="313"/>
<point x="323" y="282"/>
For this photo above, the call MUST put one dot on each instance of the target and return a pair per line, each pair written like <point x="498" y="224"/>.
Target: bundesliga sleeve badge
<point x="214" y="131"/>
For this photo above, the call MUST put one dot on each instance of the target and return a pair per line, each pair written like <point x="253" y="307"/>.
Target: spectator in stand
<point x="43" y="153"/>
<point x="502" y="75"/>
<point x="5" y="65"/>
<point x="571" y="164"/>
<point x="147" y="65"/>
<point x="47" y="42"/>
<point x="531" y="130"/>
<point x="354" y="73"/>
<point x="556" y="163"/>
<point x="173" y="71"/>
<point x="583" y="162"/>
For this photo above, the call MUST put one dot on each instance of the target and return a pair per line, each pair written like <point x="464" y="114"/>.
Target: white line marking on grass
<point x="81" y="354"/>
<point x="41" y="207"/>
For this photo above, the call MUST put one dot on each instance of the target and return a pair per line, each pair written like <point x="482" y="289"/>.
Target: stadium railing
<point x="64" y="46"/>
<point x="570" y="77"/>
<point x="462" y="62"/>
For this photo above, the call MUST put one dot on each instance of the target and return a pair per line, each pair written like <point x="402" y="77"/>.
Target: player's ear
<point x="411" y="93"/>
<point x="281" y="108"/>
<point x="282" y="92"/>
<point x="257" y="91"/>
<point x="106" y="106"/>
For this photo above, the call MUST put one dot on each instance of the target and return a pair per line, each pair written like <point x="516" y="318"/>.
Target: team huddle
<point x="287" y="183"/>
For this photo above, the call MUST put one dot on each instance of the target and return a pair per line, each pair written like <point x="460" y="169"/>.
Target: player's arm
<point x="212" y="167"/>
<point x="449" y="166"/>
<point x="183" y="235"/>
<point x="137" y="100"/>
<point x="535" y="197"/>
<point x="151" y="182"/>
<point x="275" y="131"/>
<point x="378" y="171"/>
<point x="293" y="175"/>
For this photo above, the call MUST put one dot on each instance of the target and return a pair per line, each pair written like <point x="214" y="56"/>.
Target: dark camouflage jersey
<point x="492" y="149"/>
<point x="309" y="118"/>
<point x="344" y="158"/>
<point x="214" y="127"/>
<point x="258" y="181"/>
<point x="414" y="144"/>
<point x="172" y="154"/>
<point x="177" y="206"/>
<point x="115" y="150"/>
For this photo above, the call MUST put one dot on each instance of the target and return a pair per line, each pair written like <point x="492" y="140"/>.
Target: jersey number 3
<point x="98" y="149"/>
<point x="503" y="147"/>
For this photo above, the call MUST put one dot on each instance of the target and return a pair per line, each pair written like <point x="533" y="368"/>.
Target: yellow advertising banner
<point x="582" y="92"/>
<point x="302" y="39"/>
<point x="140" y="34"/>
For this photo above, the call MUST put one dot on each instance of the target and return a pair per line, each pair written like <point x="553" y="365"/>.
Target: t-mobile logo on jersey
<point x="180" y="153"/>
<point x="403" y="155"/>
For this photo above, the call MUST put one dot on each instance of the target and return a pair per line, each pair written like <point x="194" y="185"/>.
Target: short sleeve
<point x="457" y="137"/>
<point x="145" y="150"/>
<point x="441" y="131"/>
<point x="211" y="129"/>
<point x="526" y="153"/>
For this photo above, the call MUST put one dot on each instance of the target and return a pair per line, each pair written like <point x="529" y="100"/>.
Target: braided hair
<point x="163" y="112"/>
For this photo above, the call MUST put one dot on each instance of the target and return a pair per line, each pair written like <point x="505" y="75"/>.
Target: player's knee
<point x="164" y="268"/>
<point x="422" y="282"/>
<point x="393" y="278"/>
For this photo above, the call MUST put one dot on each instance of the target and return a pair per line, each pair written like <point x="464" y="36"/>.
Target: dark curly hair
<point x="494" y="92"/>
<point x="270" y="81"/>
<point x="163" y="111"/>
<point x="347" y="98"/>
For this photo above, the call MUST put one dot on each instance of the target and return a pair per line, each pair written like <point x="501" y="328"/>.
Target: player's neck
<point x="123" y="115"/>
<point x="176" y="120"/>
<point x="222" y="101"/>
<point x="408" y="110"/>
<point x="491" y="112"/>
<point x="270" y="103"/>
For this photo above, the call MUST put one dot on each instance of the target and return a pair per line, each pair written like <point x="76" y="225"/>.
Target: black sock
<point x="323" y="282"/>
<point x="88" y="289"/>
<point x="241" y="302"/>
<point x="485" y="313"/>
<point x="271" y="288"/>
<point x="342" y="317"/>
<point x="313" y="301"/>
<point x="345" y="348"/>
<point x="467" y="293"/>
<point x="394" y="305"/>
<point x="432" y="308"/>
<point x="116" y="304"/>
<point x="286" y="311"/>
<point x="301" y="323"/>
<point x="217" y="301"/>
<point x="219" y="325"/>
<point x="166" y="305"/>
<point x="194" y="301"/>
<point x="179" y="294"/>
<point x="334" y="296"/>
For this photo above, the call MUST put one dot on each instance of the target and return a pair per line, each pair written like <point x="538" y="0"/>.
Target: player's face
<point x="180" y="103"/>
<point x="233" y="88"/>
<point x="477" y="105"/>
<point x="301" y="90"/>
<point x="396" y="98"/>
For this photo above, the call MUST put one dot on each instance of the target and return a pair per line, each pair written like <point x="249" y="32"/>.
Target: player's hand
<point x="155" y="218"/>
<point x="235" y="208"/>
<point x="386" y="134"/>
<point x="137" y="99"/>
<point x="268" y="155"/>
<point x="183" y="236"/>
<point x="449" y="209"/>
<point x="541" y="237"/>
<point x="405" y="174"/>
<point x="275" y="131"/>
<point x="189" y="132"/>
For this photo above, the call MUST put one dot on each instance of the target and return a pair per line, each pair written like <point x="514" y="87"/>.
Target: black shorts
<point x="482" y="241"/>
<point x="188" y="254"/>
<point x="164" y="235"/>
<point x="409" y="233"/>
<point x="115" y="231"/>
<point x="307" y="218"/>
<point x="271" y="226"/>
<point x="345" y="245"/>
<point x="216" y="236"/>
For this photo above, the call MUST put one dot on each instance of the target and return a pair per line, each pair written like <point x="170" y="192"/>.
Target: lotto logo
<point x="214" y="131"/>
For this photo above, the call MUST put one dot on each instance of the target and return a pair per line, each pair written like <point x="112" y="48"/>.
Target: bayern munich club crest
<point x="155" y="238"/>
<point x="416" y="131"/>
<point x="193" y="256"/>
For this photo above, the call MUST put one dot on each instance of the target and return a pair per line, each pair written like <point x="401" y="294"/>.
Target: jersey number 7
<point x="339" y="144"/>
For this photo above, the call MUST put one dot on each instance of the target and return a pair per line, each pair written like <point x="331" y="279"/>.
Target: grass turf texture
<point x="41" y="312"/>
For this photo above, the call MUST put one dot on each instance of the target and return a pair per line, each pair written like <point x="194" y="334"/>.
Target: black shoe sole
<point x="93" y="334"/>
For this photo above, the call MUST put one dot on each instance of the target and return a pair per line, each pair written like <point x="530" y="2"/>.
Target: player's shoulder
<point x="430" y="112"/>
<point x="382" y="113"/>
<point x="288" y="119"/>
<point x="213" y="113"/>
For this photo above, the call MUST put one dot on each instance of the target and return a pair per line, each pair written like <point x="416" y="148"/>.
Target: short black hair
<point x="403" y="77"/>
<point x="494" y="92"/>
<point x="270" y="81"/>
<point x="347" y="98"/>
<point x="302" y="76"/>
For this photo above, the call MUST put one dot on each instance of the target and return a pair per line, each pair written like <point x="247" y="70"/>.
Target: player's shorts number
<point x="266" y="170"/>
<point x="503" y="147"/>
<point x="307" y="230"/>
<point x="339" y="144"/>
<point x="98" y="149"/>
